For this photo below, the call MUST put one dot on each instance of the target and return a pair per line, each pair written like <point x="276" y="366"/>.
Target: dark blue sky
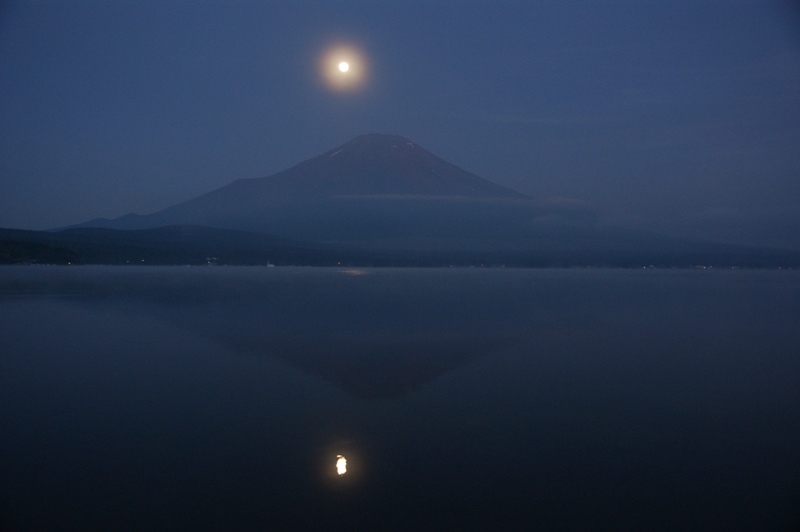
<point x="676" y="115"/>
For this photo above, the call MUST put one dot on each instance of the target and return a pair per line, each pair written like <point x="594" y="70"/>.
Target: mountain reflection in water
<point x="224" y="398"/>
<point x="374" y="333"/>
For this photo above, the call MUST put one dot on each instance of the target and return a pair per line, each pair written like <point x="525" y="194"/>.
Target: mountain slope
<point x="367" y="165"/>
<point x="373" y="186"/>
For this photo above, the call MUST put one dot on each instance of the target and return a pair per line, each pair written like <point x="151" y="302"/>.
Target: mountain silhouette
<point x="376" y="200"/>
<point x="374" y="187"/>
<point x="367" y="165"/>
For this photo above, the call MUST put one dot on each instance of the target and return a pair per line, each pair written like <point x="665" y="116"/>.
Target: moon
<point x="343" y="68"/>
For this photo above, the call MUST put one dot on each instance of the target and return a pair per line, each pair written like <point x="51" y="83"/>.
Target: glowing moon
<point x="343" y="68"/>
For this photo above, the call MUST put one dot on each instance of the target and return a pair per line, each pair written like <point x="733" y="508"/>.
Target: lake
<point x="221" y="398"/>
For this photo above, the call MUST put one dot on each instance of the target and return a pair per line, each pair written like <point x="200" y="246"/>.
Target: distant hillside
<point x="203" y="245"/>
<point x="27" y="249"/>
<point x="163" y="245"/>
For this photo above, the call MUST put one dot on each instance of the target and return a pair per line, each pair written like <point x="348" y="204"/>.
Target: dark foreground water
<point x="219" y="398"/>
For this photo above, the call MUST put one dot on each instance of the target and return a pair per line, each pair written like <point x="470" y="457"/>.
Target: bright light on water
<point x="341" y="464"/>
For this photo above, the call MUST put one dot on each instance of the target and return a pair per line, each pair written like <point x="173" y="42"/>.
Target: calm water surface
<point x="493" y="399"/>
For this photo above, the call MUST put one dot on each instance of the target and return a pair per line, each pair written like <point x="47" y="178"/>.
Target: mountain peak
<point x="372" y="145"/>
<point x="380" y="164"/>
<point x="377" y="141"/>
<point x="378" y="138"/>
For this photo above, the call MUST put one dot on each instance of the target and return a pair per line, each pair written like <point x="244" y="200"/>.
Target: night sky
<point x="681" y="116"/>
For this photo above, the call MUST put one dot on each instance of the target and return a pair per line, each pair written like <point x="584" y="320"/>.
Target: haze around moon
<point x="343" y="68"/>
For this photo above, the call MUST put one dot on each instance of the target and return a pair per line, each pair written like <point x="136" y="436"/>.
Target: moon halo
<point x="343" y="68"/>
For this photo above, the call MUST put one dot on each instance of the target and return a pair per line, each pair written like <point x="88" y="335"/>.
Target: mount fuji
<point x="375" y="200"/>
<point x="374" y="187"/>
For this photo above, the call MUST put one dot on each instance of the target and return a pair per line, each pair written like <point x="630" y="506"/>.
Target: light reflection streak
<point x="341" y="464"/>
